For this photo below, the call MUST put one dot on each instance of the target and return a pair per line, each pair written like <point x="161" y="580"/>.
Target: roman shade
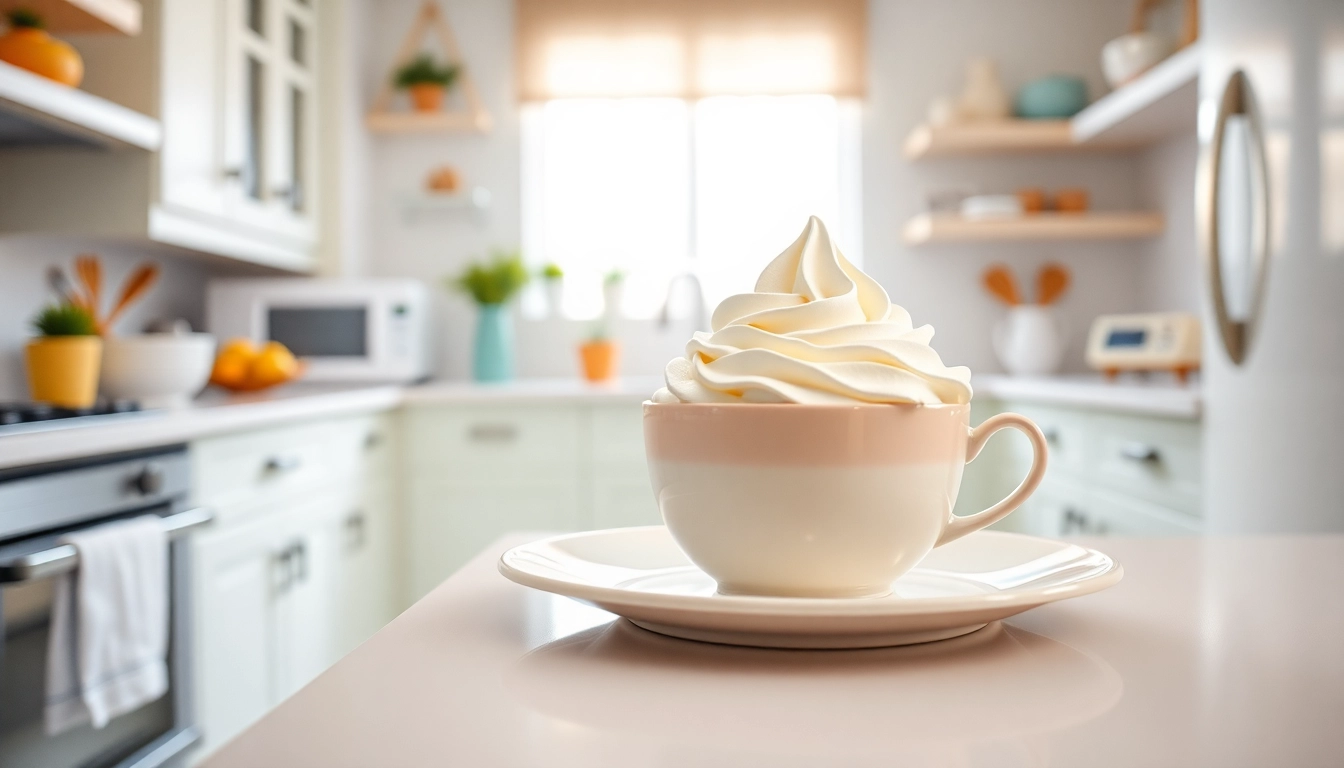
<point x="690" y="48"/>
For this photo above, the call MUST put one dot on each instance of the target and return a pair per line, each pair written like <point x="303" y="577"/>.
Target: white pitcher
<point x="1030" y="340"/>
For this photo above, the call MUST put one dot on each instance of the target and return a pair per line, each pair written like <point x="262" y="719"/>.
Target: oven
<point x="37" y="506"/>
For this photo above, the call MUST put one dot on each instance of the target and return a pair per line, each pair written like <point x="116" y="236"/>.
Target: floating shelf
<point x="951" y="228"/>
<point x="428" y="122"/>
<point x="1161" y="102"/>
<point x="989" y="136"/>
<point x="38" y="111"/>
<point x="121" y="17"/>
<point x="475" y="201"/>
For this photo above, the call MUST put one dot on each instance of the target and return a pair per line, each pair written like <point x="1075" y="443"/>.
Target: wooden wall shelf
<point x="950" y="228"/>
<point x="428" y="122"/>
<point x="37" y="111"/>
<point x="120" y="17"/>
<point x="1161" y="102"/>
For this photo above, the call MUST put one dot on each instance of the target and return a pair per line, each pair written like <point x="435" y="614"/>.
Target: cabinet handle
<point x="1141" y="452"/>
<point x="277" y="464"/>
<point x="301" y="557"/>
<point x="493" y="433"/>
<point x="356" y="530"/>
<point x="373" y="440"/>
<point x="284" y="563"/>
<point x="235" y="173"/>
<point x="1051" y="435"/>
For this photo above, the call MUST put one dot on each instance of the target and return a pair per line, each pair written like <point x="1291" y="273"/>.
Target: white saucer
<point x="641" y="574"/>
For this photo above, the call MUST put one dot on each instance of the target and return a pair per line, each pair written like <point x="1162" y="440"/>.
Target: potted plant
<point x="613" y="290"/>
<point x="63" y="360"/>
<point x="552" y="278"/>
<point x="600" y="356"/>
<point x="27" y="46"/>
<point x="427" y="81"/>
<point x="492" y="284"/>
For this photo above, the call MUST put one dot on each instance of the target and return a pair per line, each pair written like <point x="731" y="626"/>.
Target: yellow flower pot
<point x="600" y="360"/>
<point x="63" y="370"/>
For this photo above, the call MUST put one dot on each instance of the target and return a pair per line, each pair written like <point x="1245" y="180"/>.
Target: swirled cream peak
<point x="815" y="331"/>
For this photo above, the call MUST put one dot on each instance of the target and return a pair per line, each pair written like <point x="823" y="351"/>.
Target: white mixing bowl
<point x="159" y="370"/>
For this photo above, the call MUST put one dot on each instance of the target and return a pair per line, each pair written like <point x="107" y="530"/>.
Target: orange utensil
<point x="1051" y="283"/>
<point x="135" y="286"/>
<point x="999" y="281"/>
<point x="90" y="273"/>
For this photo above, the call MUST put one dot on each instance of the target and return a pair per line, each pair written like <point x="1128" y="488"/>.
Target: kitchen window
<point x="659" y="187"/>
<point x="665" y="138"/>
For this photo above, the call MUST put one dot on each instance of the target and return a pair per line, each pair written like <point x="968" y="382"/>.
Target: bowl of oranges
<point x="243" y="366"/>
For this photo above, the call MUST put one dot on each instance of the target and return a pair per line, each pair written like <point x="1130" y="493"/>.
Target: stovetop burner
<point x="12" y="414"/>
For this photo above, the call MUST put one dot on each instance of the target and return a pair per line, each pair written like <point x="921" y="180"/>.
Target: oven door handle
<point x="65" y="558"/>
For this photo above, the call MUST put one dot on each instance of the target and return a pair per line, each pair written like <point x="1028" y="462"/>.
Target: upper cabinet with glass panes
<point x="234" y="85"/>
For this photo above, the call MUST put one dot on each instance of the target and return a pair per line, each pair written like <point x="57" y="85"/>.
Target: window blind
<point x="690" y="48"/>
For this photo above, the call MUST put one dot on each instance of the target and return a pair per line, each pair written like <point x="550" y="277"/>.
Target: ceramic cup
<point x="818" y="500"/>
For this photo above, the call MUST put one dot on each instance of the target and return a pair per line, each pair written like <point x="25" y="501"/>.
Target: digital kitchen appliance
<point x="37" y="506"/>
<point x="373" y="330"/>
<point x="1153" y="341"/>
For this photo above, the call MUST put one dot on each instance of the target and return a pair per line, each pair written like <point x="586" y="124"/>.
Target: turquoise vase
<point x="493" y="359"/>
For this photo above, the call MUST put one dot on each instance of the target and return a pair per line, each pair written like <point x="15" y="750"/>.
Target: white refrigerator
<point x="1270" y="208"/>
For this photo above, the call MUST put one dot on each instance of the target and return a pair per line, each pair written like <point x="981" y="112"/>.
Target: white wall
<point x="1169" y="266"/>
<point x="23" y="265"/>
<point x="917" y="52"/>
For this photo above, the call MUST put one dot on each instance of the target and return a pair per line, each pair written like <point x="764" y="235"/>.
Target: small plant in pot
<point x="552" y="278"/>
<point x="600" y="356"/>
<point x="427" y="81"/>
<point x="63" y="360"/>
<point x="492" y="285"/>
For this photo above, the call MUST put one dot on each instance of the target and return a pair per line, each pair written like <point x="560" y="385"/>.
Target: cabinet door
<point x="191" y="174"/>
<point x="238" y="576"/>
<point x="450" y="524"/>
<point x="268" y="125"/>
<point x="309" y="609"/>
<point x="369" y="585"/>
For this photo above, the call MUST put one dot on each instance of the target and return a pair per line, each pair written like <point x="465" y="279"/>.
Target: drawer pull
<point x="1141" y="452"/>
<point x="373" y="440"/>
<point x="283" y="463"/>
<point x="1051" y="435"/>
<point x="493" y="433"/>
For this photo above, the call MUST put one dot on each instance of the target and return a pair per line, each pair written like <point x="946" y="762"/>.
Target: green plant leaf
<point x="64" y="320"/>
<point x="495" y="281"/>
<point x="423" y="70"/>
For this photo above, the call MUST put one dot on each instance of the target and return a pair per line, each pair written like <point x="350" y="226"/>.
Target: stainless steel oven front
<point x="37" y="506"/>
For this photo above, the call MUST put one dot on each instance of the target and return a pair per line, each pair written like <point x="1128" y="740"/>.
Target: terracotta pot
<point x="63" y="370"/>
<point x="600" y="360"/>
<point x="427" y="97"/>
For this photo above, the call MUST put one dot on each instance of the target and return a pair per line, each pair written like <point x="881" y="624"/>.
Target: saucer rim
<point x="841" y="607"/>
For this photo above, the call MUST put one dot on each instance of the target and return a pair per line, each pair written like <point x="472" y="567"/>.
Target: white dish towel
<point x="107" y="651"/>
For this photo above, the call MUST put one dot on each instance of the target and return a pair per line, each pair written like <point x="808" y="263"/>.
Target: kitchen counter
<point x="216" y="411"/>
<point x="629" y="390"/>
<point x="1210" y="652"/>
<point x="1160" y="396"/>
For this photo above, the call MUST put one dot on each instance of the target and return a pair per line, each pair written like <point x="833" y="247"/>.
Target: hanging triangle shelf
<point x="471" y="117"/>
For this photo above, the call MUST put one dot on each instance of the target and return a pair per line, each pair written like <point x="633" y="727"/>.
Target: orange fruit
<point x="28" y="47"/>
<point x="233" y="363"/>
<point x="274" y="364"/>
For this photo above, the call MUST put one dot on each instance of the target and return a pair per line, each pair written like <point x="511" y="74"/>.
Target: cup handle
<point x="960" y="526"/>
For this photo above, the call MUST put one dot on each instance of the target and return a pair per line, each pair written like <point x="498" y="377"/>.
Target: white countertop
<point x="626" y="390"/>
<point x="1210" y="652"/>
<point x="1160" y="396"/>
<point x="216" y="412"/>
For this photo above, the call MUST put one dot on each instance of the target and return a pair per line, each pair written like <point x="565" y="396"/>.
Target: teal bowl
<point x="1053" y="97"/>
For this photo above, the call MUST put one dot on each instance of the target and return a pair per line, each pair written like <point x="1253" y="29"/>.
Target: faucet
<point x="700" y="315"/>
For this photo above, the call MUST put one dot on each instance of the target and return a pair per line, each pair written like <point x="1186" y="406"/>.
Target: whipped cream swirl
<point x="816" y="331"/>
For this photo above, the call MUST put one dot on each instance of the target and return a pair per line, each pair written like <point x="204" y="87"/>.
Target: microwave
<point x="365" y="330"/>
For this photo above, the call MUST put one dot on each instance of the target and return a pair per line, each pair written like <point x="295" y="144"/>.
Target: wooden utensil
<point x="90" y="273"/>
<point x="1051" y="283"/>
<point x="135" y="286"/>
<point x="999" y="281"/>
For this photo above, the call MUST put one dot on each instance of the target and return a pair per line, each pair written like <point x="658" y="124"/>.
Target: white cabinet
<point x="299" y="568"/>
<point x="233" y="83"/>
<point x="475" y="472"/>
<point x="1108" y="474"/>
